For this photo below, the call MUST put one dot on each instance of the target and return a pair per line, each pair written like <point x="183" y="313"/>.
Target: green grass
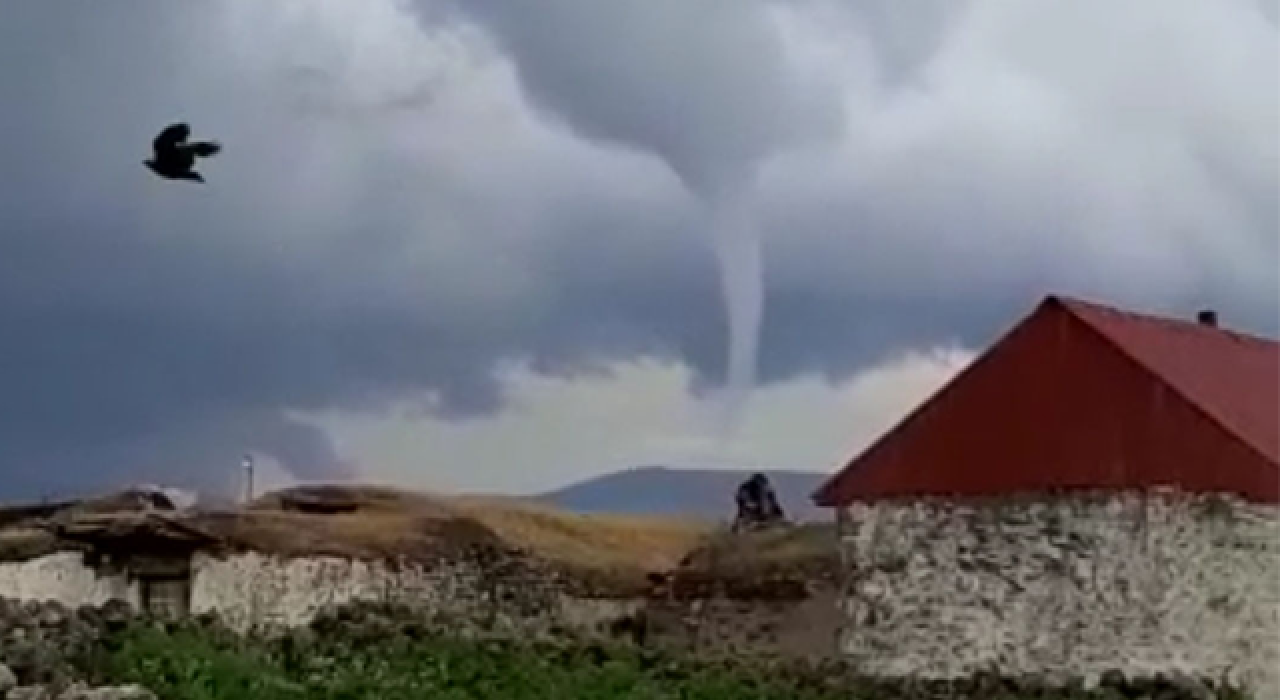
<point x="192" y="664"/>
<point x="402" y="660"/>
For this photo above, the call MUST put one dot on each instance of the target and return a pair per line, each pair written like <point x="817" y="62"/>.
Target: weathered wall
<point x="251" y="590"/>
<point x="254" y="590"/>
<point x="1071" y="585"/>
<point x="63" y="577"/>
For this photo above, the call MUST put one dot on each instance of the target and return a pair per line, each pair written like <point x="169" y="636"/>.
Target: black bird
<point x="175" y="157"/>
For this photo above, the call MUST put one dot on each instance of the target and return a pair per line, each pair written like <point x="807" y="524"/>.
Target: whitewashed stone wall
<point x="1072" y="586"/>
<point x="249" y="591"/>
<point x="64" y="578"/>
<point x="252" y="590"/>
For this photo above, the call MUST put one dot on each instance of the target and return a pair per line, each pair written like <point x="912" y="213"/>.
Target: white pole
<point x="248" y="481"/>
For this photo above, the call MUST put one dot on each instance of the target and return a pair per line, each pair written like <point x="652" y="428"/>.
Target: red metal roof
<point x="1077" y="395"/>
<point x="1233" y="377"/>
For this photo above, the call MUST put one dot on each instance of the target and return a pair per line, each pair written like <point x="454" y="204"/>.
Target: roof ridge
<point x="1074" y="304"/>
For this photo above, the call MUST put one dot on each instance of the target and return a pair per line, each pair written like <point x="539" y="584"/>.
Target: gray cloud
<point x="651" y="76"/>
<point x="373" y="232"/>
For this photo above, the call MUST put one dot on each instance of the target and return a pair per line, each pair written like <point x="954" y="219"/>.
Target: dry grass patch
<point x="796" y="554"/>
<point x="606" y="553"/>
<point x="387" y="536"/>
<point x="613" y="552"/>
<point x="23" y="543"/>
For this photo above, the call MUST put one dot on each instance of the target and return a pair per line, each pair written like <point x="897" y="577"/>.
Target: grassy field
<point x="404" y="662"/>
<point x="195" y="665"/>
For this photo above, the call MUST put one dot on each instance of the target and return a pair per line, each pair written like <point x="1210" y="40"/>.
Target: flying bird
<point x="175" y="157"/>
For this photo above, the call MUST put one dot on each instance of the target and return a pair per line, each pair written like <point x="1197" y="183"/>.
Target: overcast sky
<point x="468" y="245"/>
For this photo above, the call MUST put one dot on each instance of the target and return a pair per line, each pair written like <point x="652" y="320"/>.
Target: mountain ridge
<point x="699" y="492"/>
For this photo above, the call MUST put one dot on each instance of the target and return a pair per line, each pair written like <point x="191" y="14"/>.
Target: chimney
<point x="1207" y="317"/>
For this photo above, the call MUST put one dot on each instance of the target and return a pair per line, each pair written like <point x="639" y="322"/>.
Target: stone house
<point x="1096" y="492"/>
<point x="149" y="550"/>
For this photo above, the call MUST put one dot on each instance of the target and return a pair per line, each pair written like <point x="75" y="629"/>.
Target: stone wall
<point x="1071" y="586"/>
<point x="253" y="591"/>
<point x="256" y="591"/>
<point x="63" y="577"/>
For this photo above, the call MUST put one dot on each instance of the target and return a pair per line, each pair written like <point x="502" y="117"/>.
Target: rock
<point x="1113" y="680"/>
<point x="116" y="614"/>
<point x="1189" y="687"/>
<point x="757" y="505"/>
<point x="22" y="657"/>
<point x="52" y="616"/>
<point x="29" y="692"/>
<point x="7" y="680"/>
<point x="123" y="692"/>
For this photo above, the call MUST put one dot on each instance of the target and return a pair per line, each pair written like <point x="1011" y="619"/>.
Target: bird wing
<point x="204" y="149"/>
<point x="167" y="140"/>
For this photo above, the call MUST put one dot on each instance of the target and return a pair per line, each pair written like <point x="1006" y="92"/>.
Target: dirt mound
<point x="337" y="499"/>
<point x="126" y="501"/>
<point x="779" y="564"/>
<point x="384" y="536"/>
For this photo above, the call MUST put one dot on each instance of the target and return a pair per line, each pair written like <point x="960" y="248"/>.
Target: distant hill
<point x="703" y="493"/>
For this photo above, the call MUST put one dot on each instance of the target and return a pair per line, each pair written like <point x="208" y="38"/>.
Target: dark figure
<point x="757" y="505"/>
<point x="174" y="157"/>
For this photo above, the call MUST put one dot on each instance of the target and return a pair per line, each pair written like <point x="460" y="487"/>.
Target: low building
<point x="1096" y="492"/>
<point x="151" y="552"/>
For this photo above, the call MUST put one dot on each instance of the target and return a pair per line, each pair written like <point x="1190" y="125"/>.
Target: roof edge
<point x="1068" y="302"/>
<point x="1150" y="372"/>
<point x="823" y="497"/>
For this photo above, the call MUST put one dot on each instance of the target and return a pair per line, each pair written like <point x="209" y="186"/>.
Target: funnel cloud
<point x="738" y="248"/>
<point x="713" y="106"/>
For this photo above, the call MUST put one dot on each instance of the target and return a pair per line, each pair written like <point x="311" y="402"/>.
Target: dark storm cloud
<point x="369" y="235"/>
<point x="983" y="154"/>
<point x="157" y="332"/>
<point x="651" y="76"/>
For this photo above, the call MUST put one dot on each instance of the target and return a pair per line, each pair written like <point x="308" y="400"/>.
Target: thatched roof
<point x="132" y="527"/>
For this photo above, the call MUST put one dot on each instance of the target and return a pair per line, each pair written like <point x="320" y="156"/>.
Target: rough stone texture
<point x="593" y="614"/>
<point x="30" y="692"/>
<point x="63" y="577"/>
<point x="41" y="642"/>
<point x="124" y="692"/>
<point x="1079" y="586"/>
<point x="80" y="692"/>
<point x="251" y="591"/>
<point x="7" y="680"/>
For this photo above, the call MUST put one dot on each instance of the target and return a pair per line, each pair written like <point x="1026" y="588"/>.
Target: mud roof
<point x="111" y="528"/>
